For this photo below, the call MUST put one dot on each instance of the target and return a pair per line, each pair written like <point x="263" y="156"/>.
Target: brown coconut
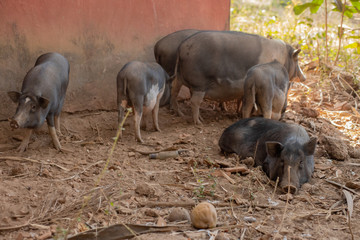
<point x="204" y="216"/>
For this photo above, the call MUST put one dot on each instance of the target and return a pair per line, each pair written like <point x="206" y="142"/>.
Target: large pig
<point x="143" y="84"/>
<point x="266" y="87"/>
<point x="42" y="97"/>
<point x="213" y="64"/>
<point x="276" y="146"/>
<point x="165" y="51"/>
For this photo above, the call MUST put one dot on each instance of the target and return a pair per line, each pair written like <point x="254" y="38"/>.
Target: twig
<point x="350" y="203"/>
<point x="221" y="205"/>
<point x="232" y="181"/>
<point x="161" y="150"/>
<point x="352" y="89"/>
<point x="21" y="159"/>
<point x="287" y="202"/>
<point x="233" y="213"/>
<point x="341" y="186"/>
<point x="77" y="174"/>
<point x="321" y="98"/>
<point x="276" y="184"/>
<point x="243" y="231"/>
<point x="38" y="226"/>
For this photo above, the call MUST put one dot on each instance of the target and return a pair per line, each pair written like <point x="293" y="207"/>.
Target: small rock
<point x="249" y="219"/>
<point x="306" y="187"/>
<point x="151" y="212"/>
<point x="204" y="216"/>
<point x="179" y="214"/>
<point x="131" y="154"/>
<point x="354" y="152"/>
<point x="335" y="147"/>
<point x="145" y="190"/>
<point x="286" y="196"/>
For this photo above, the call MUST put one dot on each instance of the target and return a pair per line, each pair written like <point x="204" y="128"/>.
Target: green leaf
<point x="314" y="7"/>
<point x="352" y="45"/>
<point x="356" y="4"/>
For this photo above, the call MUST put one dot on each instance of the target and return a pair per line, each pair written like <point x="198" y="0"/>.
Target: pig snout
<point x="13" y="123"/>
<point x="289" y="188"/>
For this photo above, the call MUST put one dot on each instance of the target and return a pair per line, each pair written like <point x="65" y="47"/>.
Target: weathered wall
<point x="97" y="37"/>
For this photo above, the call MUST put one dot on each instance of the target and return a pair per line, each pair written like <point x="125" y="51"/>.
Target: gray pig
<point x="213" y="65"/>
<point x="142" y="84"/>
<point x="42" y="97"/>
<point x="266" y="86"/>
<point x="276" y="146"/>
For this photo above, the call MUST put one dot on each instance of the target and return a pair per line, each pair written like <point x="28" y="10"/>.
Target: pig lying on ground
<point x="275" y="146"/>
<point x="143" y="85"/>
<point x="266" y="86"/>
<point x="42" y="97"/>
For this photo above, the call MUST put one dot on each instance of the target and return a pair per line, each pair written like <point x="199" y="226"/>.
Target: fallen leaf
<point x="161" y="222"/>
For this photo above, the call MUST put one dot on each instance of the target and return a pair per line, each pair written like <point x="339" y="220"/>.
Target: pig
<point x="42" y="97"/>
<point x="213" y="64"/>
<point x="165" y="54"/>
<point x="275" y="146"/>
<point x="266" y="86"/>
<point x="142" y="84"/>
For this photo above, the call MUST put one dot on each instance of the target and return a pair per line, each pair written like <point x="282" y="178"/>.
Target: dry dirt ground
<point x="44" y="192"/>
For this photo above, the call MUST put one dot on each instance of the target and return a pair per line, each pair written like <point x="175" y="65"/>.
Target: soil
<point x="44" y="193"/>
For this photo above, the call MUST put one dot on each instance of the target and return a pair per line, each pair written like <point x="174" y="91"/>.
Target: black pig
<point x="276" y="146"/>
<point x="42" y="97"/>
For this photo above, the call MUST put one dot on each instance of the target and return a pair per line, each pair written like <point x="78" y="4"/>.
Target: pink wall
<point x="98" y="38"/>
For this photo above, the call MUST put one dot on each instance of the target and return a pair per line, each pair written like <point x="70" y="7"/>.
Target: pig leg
<point x="137" y="117"/>
<point x="25" y="142"/>
<point x="52" y="131"/>
<point x="278" y="104"/>
<point x="265" y="103"/>
<point x="248" y="101"/>
<point x="57" y="125"/>
<point x="155" y="113"/>
<point x="176" y="85"/>
<point x="196" y="99"/>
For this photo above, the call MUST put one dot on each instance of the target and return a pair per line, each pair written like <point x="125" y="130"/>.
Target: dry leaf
<point x="161" y="222"/>
<point x="353" y="185"/>
<point x="350" y="202"/>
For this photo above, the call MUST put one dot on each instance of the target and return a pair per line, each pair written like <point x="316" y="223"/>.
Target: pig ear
<point x="309" y="147"/>
<point x="43" y="102"/>
<point x="274" y="149"/>
<point x="15" y="96"/>
<point x="295" y="54"/>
